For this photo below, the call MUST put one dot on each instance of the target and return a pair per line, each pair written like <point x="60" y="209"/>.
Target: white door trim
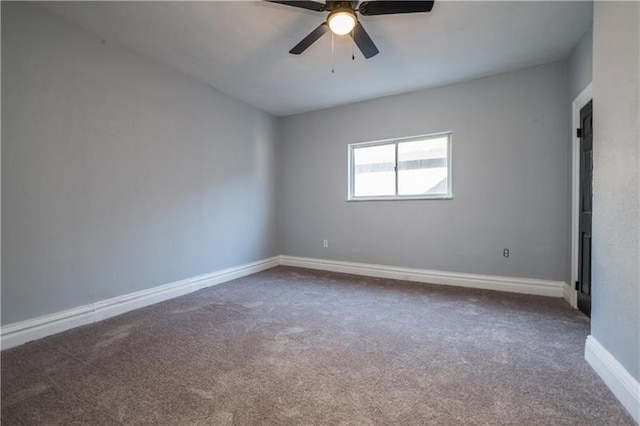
<point x="580" y="101"/>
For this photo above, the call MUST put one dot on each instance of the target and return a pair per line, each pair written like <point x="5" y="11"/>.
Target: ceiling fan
<point x="343" y="19"/>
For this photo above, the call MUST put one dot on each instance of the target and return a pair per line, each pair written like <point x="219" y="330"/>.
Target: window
<point x="410" y="168"/>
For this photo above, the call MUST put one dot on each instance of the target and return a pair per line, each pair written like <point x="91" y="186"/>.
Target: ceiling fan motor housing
<point x="342" y="5"/>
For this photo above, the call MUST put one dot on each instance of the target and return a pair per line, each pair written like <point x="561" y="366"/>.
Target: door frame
<point x="578" y="103"/>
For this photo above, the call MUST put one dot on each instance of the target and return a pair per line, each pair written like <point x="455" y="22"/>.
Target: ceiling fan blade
<point x="310" y="39"/>
<point x="386" y="7"/>
<point x="309" y="5"/>
<point x="363" y="41"/>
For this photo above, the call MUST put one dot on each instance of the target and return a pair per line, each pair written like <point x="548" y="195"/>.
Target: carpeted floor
<point x="294" y="346"/>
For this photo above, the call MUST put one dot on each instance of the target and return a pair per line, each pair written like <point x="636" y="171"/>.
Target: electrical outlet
<point x="325" y="243"/>
<point x="505" y="252"/>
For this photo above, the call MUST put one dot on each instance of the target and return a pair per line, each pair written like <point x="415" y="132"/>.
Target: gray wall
<point x="616" y="186"/>
<point x="118" y="174"/>
<point x="580" y="64"/>
<point x="510" y="166"/>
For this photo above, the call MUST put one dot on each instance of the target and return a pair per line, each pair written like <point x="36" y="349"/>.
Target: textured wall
<point x="510" y="168"/>
<point x="118" y="174"/>
<point x="616" y="181"/>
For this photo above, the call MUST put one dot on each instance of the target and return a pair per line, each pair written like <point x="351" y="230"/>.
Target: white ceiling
<point x="241" y="47"/>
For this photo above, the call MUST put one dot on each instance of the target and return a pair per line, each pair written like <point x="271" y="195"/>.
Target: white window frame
<point x="396" y="141"/>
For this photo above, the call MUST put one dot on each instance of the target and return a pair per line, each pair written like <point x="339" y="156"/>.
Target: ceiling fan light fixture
<point x="341" y="22"/>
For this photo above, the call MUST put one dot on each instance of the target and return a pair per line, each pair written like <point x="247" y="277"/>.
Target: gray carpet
<point x="294" y="346"/>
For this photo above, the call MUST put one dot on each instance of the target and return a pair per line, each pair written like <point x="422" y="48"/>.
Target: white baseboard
<point x="489" y="282"/>
<point x="615" y="376"/>
<point x="570" y="295"/>
<point x="25" y="331"/>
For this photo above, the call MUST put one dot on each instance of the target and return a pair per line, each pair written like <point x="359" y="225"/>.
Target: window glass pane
<point x="422" y="167"/>
<point x="373" y="170"/>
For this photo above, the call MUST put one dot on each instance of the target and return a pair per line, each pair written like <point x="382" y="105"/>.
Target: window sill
<point x="401" y="198"/>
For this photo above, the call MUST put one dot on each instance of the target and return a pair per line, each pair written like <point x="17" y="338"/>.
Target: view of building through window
<point x="374" y="172"/>
<point x="406" y="168"/>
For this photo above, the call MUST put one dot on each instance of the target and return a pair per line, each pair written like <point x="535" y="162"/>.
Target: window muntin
<point x="410" y="168"/>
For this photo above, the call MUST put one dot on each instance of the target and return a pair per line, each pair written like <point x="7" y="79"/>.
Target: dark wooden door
<point x="584" y="220"/>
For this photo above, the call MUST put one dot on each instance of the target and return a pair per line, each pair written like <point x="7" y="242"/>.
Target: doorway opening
<point x="579" y="295"/>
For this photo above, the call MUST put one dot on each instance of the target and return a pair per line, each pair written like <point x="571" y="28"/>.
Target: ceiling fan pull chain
<point x="333" y="70"/>
<point x="353" y="47"/>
